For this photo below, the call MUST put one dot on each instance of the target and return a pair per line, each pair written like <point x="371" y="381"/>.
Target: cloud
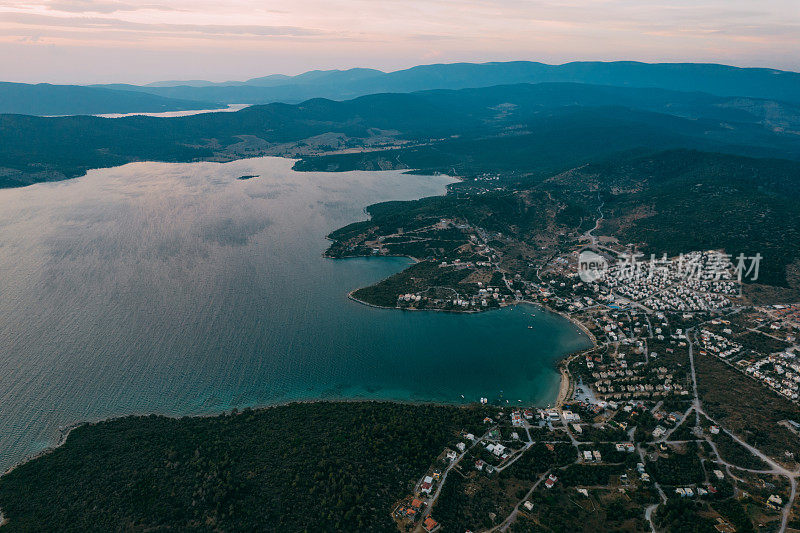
<point x="91" y="6"/>
<point x="246" y="38"/>
<point x="109" y="23"/>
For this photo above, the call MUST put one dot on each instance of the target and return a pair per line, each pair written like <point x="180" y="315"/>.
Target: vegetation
<point x="667" y="201"/>
<point x="469" y="503"/>
<point x="680" y="514"/>
<point x="539" y="129"/>
<point x="561" y="510"/>
<point x="341" y="84"/>
<point x="736" y="515"/>
<point x="736" y="454"/>
<point x="577" y="474"/>
<point x="678" y="468"/>
<point x="47" y="99"/>
<point x="312" y="467"/>
<point x="747" y="408"/>
<point x="539" y="459"/>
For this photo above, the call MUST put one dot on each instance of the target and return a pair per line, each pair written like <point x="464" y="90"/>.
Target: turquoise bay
<point x="180" y="289"/>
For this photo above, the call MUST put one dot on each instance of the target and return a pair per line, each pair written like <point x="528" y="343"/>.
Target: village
<point x="632" y="425"/>
<point x="628" y="430"/>
<point x="632" y="411"/>
<point x="634" y="421"/>
<point x="586" y="452"/>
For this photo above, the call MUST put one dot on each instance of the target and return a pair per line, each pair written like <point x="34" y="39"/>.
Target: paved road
<point x="776" y="468"/>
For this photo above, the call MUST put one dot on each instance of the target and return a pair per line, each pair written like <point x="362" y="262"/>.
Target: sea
<point x="181" y="289"/>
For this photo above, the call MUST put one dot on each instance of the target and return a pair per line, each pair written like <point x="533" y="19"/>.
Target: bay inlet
<point x="180" y="289"/>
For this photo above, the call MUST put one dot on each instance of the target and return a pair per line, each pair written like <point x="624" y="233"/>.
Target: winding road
<point x="776" y="468"/>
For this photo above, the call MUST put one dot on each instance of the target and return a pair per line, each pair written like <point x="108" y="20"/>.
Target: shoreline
<point x="395" y="308"/>
<point x="65" y="433"/>
<point x="62" y="438"/>
<point x="566" y="384"/>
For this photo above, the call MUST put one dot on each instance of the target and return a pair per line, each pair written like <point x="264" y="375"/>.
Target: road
<point x="432" y="499"/>
<point x="648" y="512"/>
<point x="776" y="468"/>
<point x="513" y="516"/>
<point x="592" y="238"/>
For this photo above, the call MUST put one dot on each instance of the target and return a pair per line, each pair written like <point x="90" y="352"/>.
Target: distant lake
<point x="181" y="289"/>
<point x="230" y="108"/>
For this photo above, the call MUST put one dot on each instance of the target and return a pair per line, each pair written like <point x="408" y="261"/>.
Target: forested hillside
<point x="522" y="128"/>
<point x="301" y="467"/>
<point x="47" y="99"/>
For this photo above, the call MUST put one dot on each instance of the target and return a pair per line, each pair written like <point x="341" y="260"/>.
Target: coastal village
<point x="629" y="433"/>
<point x="413" y="267"/>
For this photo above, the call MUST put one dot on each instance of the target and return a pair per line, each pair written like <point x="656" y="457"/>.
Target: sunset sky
<point x="87" y="41"/>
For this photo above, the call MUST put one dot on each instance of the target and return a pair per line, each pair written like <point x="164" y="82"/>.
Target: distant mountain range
<point x="46" y="99"/>
<point x="720" y="80"/>
<point x="522" y="128"/>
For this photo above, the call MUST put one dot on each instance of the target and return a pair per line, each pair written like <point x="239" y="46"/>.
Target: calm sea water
<point x="179" y="289"/>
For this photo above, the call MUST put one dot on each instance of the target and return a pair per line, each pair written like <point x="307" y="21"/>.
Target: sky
<point x="95" y="41"/>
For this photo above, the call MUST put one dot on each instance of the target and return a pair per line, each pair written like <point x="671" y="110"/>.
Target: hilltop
<point x="538" y="128"/>
<point x="720" y="80"/>
<point x="47" y="99"/>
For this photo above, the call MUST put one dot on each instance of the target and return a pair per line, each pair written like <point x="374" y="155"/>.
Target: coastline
<point x="395" y="308"/>
<point x="59" y="436"/>
<point x="62" y="438"/>
<point x="65" y="433"/>
<point x="566" y="384"/>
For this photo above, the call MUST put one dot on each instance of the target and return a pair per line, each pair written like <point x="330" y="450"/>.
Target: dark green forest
<point x="300" y="467"/>
<point x="524" y="128"/>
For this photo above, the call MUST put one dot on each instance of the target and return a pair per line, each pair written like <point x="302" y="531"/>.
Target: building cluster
<point x="684" y="298"/>
<point x="783" y="321"/>
<point x="617" y="381"/>
<point x="717" y="345"/>
<point x="498" y="450"/>
<point x="789" y="314"/>
<point x="779" y="371"/>
<point x="689" y="492"/>
<point x="592" y="456"/>
<point x="482" y="298"/>
<point x="410" y="510"/>
<point x="695" y="282"/>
